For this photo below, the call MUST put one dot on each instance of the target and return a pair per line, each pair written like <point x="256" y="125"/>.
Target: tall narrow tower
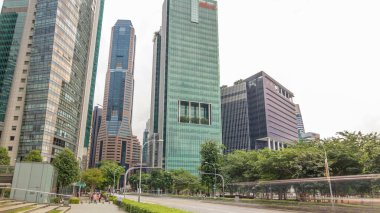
<point x="189" y="94"/>
<point x="115" y="141"/>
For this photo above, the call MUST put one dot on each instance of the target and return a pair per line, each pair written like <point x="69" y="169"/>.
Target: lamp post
<point x="214" y="176"/>
<point x="221" y="176"/>
<point x="141" y="158"/>
<point x="114" y="177"/>
<point x="328" y="175"/>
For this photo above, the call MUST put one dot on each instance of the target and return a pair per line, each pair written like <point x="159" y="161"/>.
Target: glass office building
<point x="258" y="113"/>
<point x="189" y="97"/>
<point x="115" y="140"/>
<point x="59" y="76"/>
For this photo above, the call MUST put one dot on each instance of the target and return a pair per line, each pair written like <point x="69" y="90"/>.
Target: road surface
<point x="197" y="206"/>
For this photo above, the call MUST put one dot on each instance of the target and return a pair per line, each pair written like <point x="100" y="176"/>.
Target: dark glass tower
<point x="257" y="113"/>
<point x="96" y="121"/>
<point x="115" y="140"/>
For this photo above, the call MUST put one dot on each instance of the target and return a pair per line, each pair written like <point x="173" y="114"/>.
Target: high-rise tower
<point x="115" y="141"/>
<point x="189" y="96"/>
<point x="52" y="55"/>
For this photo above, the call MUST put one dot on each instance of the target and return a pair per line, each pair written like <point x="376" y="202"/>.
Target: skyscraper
<point x="300" y="126"/>
<point x="52" y="55"/>
<point x="96" y="121"/>
<point x="257" y="113"/>
<point x="115" y="140"/>
<point x="188" y="81"/>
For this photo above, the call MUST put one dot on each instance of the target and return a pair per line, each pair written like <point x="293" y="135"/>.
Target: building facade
<point x="300" y="125"/>
<point x="188" y="82"/>
<point x="235" y="121"/>
<point x="258" y="113"/>
<point x="49" y="95"/>
<point x="115" y="141"/>
<point x="96" y="121"/>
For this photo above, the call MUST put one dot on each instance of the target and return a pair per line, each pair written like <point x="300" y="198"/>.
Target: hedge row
<point x="136" y="207"/>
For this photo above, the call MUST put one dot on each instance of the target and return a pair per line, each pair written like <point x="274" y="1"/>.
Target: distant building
<point x="95" y="124"/>
<point x="300" y="125"/>
<point x="257" y="113"/>
<point x="310" y="136"/>
<point x="116" y="141"/>
<point x="145" y="143"/>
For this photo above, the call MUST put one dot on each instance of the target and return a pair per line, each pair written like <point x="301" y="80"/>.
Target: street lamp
<point x="328" y="175"/>
<point x="214" y="176"/>
<point x="114" y="174"/>
<point x="141" y="158"/>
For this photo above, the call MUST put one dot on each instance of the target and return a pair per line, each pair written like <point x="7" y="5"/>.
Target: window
<point x="24" y="71"/>
<point x="18" y="108"/>
<point x="19" y="99"/>
<point x="194" y="112"/>
<point x="195" y="11"/>
<point x="15" y="118"/>
<point x="12" y="138"/>
<point x="10" y="148"/>
<point x="23" y="80"/>
<point x="26" y="62"/>
<point x="21" y="89"/>
<point x="14" y="128"/>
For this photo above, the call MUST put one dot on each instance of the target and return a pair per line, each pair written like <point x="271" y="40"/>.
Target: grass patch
<point x="55" y="211"/>
<point x="26" y="208"/>
<point x="136" y="207"/>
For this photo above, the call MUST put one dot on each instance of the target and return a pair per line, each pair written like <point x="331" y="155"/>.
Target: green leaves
<point x="110" y="170"/>
<point x="348" y="154"/>
<point x="4" y="158"/>
<point x="67" y="167"/>
<point x="93" y="178"/>
<point x="33" y="156"/>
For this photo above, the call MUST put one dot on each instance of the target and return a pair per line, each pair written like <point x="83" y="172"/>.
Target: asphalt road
<point x="197" y="206"/>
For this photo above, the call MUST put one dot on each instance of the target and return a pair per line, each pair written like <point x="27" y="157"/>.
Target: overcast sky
<point x="327" y="52"/>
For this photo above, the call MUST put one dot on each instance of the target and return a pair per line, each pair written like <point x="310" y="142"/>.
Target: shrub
<point x="74" y="200"/>
<point x="135" y="207"/>
<point x="113" y="199"/>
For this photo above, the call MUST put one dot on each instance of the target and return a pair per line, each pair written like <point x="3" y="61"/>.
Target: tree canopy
<point x="110" y="170"/>
<point x="67" y="167"/>
<point x="33" y="156"/>
<point x="93" y="178"/>
<point x="4" y="157"/>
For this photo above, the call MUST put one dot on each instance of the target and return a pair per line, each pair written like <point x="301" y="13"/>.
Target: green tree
<point x="134" y="181"/>
<point x="184" y="182"/>
<point x="93" y="178"/>
<point x="160" y="179"/>
<point x="67" y="167"/>
<point x="112" y="171"/>
<point x="241" y="166"/>
<point x="33" y="156"/>
<point x="211" y="161"/>
<point x="4" y="157"/>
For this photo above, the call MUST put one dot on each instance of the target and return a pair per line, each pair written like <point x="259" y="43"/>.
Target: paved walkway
<point x="95" y="208"/>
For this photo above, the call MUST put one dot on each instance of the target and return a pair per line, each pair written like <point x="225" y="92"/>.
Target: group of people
<point x="97" y="198"/>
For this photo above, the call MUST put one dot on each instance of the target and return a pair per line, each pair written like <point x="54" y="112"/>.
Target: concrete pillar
<point x="269" y="144"/>
<point x="282" y="145"/>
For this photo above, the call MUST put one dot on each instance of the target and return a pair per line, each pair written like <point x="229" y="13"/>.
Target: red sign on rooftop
<point x="207" y="5"/>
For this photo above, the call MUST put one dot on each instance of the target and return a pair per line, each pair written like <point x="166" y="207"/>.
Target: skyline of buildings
<point x="48" y="65"/>
<point x="115" y="140"/>
<point x="51" y="67"/>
